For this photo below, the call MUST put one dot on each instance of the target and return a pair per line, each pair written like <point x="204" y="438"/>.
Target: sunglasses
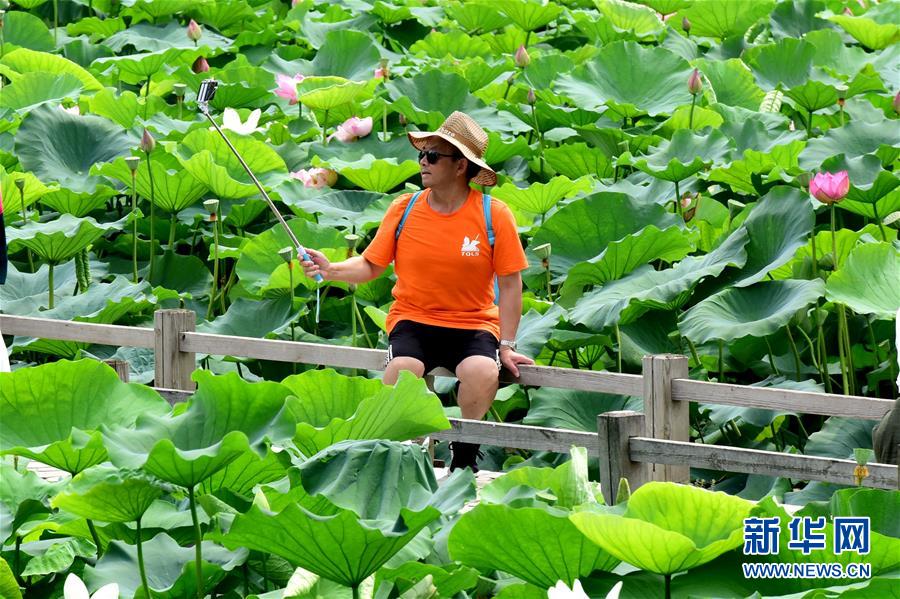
<point x="432" y="156"/>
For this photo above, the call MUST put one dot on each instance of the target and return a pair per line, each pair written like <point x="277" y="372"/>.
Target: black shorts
<point x="440" y="346"/>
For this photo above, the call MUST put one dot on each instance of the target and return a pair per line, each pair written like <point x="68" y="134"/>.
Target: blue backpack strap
<point x="406" y="212"/>
<point x="486" y="206"/>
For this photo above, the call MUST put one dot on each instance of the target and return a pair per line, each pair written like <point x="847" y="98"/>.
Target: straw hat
<point x="464" y="133"/>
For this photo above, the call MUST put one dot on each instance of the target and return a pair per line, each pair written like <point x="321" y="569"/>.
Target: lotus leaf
<point x="154" y="9"/>
<point x="624" y="16"/>
<point x="723" y="19"/>
<point x="447" y="580"/>
<point x="58" y="557"/>
<point x="429" y="97"/>
<point x="684" y="155"/>
<point x="96" y="27"/>
<point x="326" y="93"/>
<point x="881" y="506"/>
<point x="107" y="494"/>
<point x="876" y="29"/>
<point x="347" y="53"/>
<point x="57" y="407"/>
<point x="58" y="146"/>
<point x="224" y="418"/>
<point x="455" y="44"/>
<point x="243" y="474"/>
<point x="174" y="188"/>
<point x="869" y="281"/>
<point x="475" y="16"/>
<point x="336" y="207"/>
<point x="34" y="89"/>
<point x="537" y="544"/>
<point x="60" y="239"/>
<point x="145" y="37"/>
<point x="528" y="15"/>
<point x="32" y="190"/>
<point x="27" y="31"/>
<point x="540" y="197"/>
<point x="577" y="160"/>
<point x="574" y="410"/>
<point x="171" y="573"/>
<point x="869" y="184"/>
<point x="377" y="175"/>
<point x="854" y="139"/>
<point x="329" y="408"/>
<point x="667" y="528"/>
<point x="23" y="60"/>
<point x="624" y="300"/>
<point x="77" y="204"/>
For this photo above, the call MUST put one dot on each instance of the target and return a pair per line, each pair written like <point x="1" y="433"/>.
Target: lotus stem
<point x="325" y="127"/>
<point x="540" y="136"/>
<point x="721" y="360"/>
<point x="668" y="579"/>
<point x="771" y="356"/>
<point x="356" y="591"/>
<point x="677" y="199"/>
<point x="172" y="232"/>
<point x="384" y="131"/>
<point x="17" y="556"/>
<point x="94" y="536"/>
<point x="809" y="125"/>
<point x="215" y="281"/>
<point x="693" y="350"/>
<point x="618" y="346"/>
<point x="362" y="323"/>
<point x="140" y="557"/>
<point x="147" y="97"/>
<point x="134" y="242"/>
<point x="291" y="275"/>
<point x="56" y="23"/>
<point x="198" y="551"/>
<point x="844" y="332"/>
<point x="691" y="116"/>
<point x="794" y="351"/>
<point x="50" y="266"/>
<point x="152" y="217"/>
<point x="878" y="221"/>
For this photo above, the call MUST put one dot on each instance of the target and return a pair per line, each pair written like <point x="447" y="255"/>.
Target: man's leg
<point x="478" y="380"/>
<point x="392" y="371"/>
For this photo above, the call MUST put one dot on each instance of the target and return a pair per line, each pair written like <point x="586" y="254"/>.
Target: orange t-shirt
<point x="444" y="263"/>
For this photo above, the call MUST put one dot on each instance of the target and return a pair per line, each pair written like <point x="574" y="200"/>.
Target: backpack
<point x="486" y="207"/>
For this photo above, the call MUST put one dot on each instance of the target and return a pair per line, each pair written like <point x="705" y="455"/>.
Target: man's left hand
<point x="511" y="360"/>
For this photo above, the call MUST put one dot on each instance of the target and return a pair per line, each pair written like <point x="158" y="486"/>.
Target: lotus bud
<point x="695" y="83"/>
<point x="2" y="18"/>
<point x="179" y="89"/>
<point x="200" y="65"/>
<point x="896" y="103"/>
<point x="20" y="183"/>
<point x="194" y="32"/>
<point x="212" y="206"/>
<point x="686" y="24"/>
<point x="830" y="188"/>
<point x="147" y="142"/>
<point x="522" y="58"/>
<point x="133" y="162"/>
<point x="511" y="79"/>
<point x="531" y="97"/>
<point x="287" y="254"/>
<point x="403" y="120"/>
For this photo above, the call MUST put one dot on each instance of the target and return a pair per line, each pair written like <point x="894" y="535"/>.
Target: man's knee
<point x="392" y="371"/>
<point x="478" y="370"/>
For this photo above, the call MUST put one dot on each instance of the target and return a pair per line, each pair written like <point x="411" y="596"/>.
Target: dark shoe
<point x="465" y="455"/>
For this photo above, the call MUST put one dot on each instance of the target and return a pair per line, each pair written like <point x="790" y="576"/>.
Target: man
<point x="447" y="244"/>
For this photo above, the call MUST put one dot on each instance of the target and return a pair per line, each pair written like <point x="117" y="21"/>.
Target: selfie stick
<point x="204" y="96"/>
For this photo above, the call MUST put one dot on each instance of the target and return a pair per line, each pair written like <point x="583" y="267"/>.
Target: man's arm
<point x="510" y="313"/>
<point x="353" y="270"/>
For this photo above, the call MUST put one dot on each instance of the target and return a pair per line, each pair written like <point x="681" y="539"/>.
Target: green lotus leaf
<point x="145" y="37"/>
<point x="624" y="300"/>
<point x="881" y="506"/>
<point x="225" y="16"/>
<point x="568" y="483"/>
<point x="429" y="97"/>
<point x="758" y="310"/>
<point x="27" y="31"/>
<point x="95" y="27"/>
<point x="330" y="407"/>
<point x="347" y="53"/>
<point x="107" y="494"/>
<point x="473" y="16"/>
<point x="55" y="403"/>
<point x="23" y="60"/>
<point x="174" y="188"/>
<point x="223" y="419"/>
<point x="539" y="198"/>
<point x="876" y="29"/>
<point x="839" y="437"/>
<point x="171" y="572"/>
<point x="378" y="175"/>
<point x="667" y="528"/>
<point x="247" y="317"/>
<point x="58" y="557"/>
<point x="121" y="108"/>
<point x="455" y="44"/>
<point x="539" y="545"/>
<point x="624" y="255"/>
<point x="138" y="68"/>
<point x="796" y="19"/>
<point x="782" y="65"/>
<point x="187" y="275"/>
<point x="259" y="257"/>
<point x="326" y="93"/>
<point x="205" y="155"/>
<point x="684" y="155"/>
<point x="32" y="190"/>
<point x="339" y="547"/>
<point x="854" y="139"/>
<point x="243" y="474"/>
<point x="336" y="207"/>
<point x="633" y="18"/>
<point x="77" y="204"/>
<point x="732" y="82"/>
<point x="9" y="586"/>
<point x="34" y="89"/>
<point x="574" y="410"/>
<point x="499" y="150"/>
<point x="577" y="160"/>
<point x="583" y="228"/>
<point x="869" y="281"/>
<point x="58" y="146"/>
<point x="22" y="498"/>
<point x="814" y="95"/>
<point x="59" y="240"/>
<point x="24" y="293"/>
<point x="448" y="580"/>
<point x="528" y="15"/>
<point x="655" y="84"/>
<point x="722" y="18"/>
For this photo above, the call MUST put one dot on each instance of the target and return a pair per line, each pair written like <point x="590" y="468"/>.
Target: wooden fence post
<point x="666" y="419"/>
<point x="173" y="367"/>
<point x="121" y="368"/>
<point x="614" y="429"/>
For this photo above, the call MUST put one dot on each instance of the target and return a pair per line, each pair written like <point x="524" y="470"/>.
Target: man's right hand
<point x="319" y="265"/>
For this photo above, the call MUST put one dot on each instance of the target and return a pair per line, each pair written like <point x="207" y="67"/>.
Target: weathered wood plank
<point x="517" y="436"/>
<point x="754" y="461"/>
<point x="174" y="364"/>
<point x="665" y="419"/>
<point x="123" y="370"/>
<point x="615" y="429"/>
<point x="67" y="330"/>
<point x="803" y="402"/>
<point x="173" y="396"/>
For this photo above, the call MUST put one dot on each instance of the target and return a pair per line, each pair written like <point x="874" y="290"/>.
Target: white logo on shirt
<point x="470" y="246"/>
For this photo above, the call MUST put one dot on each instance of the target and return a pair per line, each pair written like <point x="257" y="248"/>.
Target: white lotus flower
<point x="561" y="591"/>
<point x="75" y="589"/>
<point x="231" y="120"/>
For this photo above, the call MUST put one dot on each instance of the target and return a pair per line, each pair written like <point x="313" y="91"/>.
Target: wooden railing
<point x="653" y="445"/>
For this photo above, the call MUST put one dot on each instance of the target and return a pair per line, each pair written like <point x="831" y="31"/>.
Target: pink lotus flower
<point x="896" y="103"/>
<point x="316" y="178"/>
<point x="353" y="128"/>
<point x="194" y="32"/>
<point x="695" y="83"/>
<point x="686" y="24"/>
<point x="200" y="65"/>
<point x="380" y="73"/>
<point x="287" y="87"/>
<point x="830" y="188"/>
<point x="522" y="58"/>
<point x="147" y="142"/>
